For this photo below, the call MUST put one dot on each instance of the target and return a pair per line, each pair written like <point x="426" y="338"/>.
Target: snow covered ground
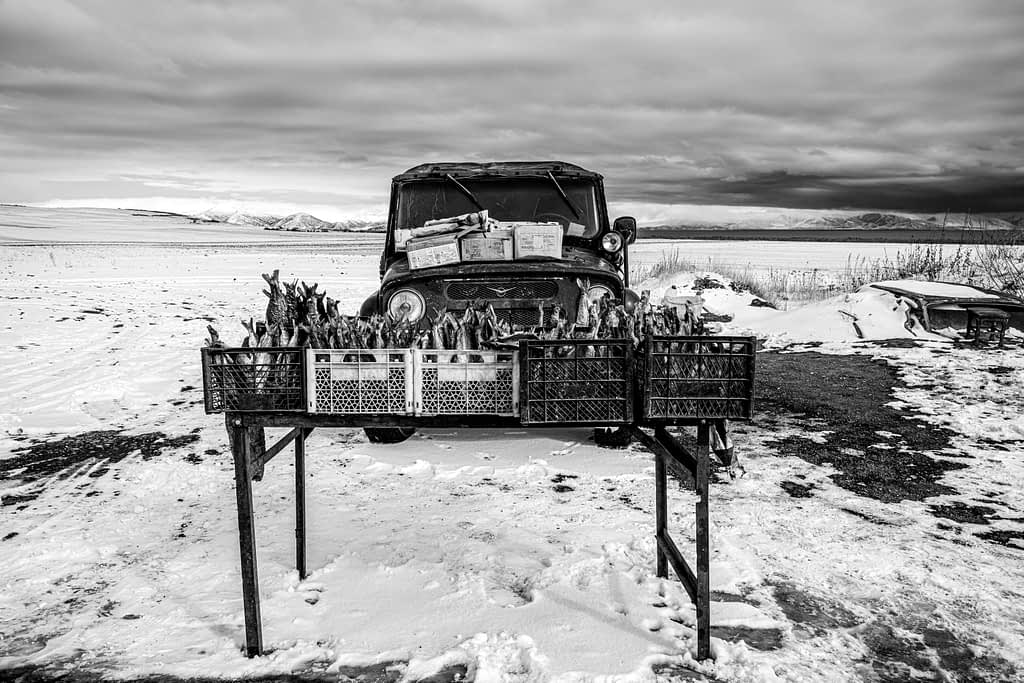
<point x="510" y="555"/>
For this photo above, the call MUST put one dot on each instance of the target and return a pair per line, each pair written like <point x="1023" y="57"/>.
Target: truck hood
<point x="574" y="263"/>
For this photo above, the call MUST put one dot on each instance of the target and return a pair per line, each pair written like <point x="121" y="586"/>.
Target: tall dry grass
<point x="996" y="264"/>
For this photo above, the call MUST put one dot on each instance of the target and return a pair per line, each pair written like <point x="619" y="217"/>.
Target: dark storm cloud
<point x="950" y="192"/>
<point x="915" y="105"/>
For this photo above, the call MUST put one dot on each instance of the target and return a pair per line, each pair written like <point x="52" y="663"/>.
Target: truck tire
<point x="388" y="434"/>
<point x="613" y="437"/>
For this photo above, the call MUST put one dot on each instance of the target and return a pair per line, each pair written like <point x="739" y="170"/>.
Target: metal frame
<point x="250" y="454"/>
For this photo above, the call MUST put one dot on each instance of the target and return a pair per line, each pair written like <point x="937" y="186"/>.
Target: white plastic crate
<point x="466" y="382"/>
<point x="360" y="381"/>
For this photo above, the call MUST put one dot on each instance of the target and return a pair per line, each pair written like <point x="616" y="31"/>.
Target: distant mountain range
<point x="732" y="218"/>
<point x="296" y="222"/>
<point x="890" y="221"/>
<point x="739" y="218"/>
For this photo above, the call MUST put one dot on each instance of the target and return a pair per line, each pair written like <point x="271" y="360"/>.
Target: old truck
<point x="595" y="248"/>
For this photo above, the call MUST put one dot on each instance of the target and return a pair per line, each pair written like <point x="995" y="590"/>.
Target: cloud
<point x="882" y="105"/>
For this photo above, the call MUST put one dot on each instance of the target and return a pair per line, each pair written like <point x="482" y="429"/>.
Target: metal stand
<point x="300" y="503"/>
<point x="666" y="450"/>
<point x="248" y="448"/>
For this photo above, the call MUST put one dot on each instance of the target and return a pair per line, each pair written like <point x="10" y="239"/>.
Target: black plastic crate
<point x="695" y="377"/>
<point x="576" y="382"/>
<point x="249" y="380"/>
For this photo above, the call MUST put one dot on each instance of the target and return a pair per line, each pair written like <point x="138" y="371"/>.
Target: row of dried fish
<point x="299" y="315"/>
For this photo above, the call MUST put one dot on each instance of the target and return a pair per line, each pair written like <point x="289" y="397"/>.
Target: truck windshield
<point x="506" y="199"/>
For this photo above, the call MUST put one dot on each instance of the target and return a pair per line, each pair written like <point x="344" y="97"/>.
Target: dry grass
<point x="778" y="287"/>
<point x="997" y="264"/>
<point x="744" y="278"/>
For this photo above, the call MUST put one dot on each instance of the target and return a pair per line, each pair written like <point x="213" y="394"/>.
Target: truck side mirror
<point x="627" y="226"/>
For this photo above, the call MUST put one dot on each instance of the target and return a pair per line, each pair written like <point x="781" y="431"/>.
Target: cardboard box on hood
<point x="538" y="240"/>
<point x="493" y="245"/>
<point x="438" y="250"/>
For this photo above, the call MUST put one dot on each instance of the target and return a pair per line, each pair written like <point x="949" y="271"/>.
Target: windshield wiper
<point x="465" y="191"/>
<point x="565" y="197"/>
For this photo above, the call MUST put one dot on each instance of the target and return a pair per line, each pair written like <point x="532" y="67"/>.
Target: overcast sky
<point x="914" y="105"/>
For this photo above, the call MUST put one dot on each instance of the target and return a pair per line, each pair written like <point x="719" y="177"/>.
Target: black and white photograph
<point x="544" y="341"/>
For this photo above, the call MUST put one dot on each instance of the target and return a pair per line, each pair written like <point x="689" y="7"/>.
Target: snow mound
<point x="869" y="313"/>
<point x="866" y="314"/>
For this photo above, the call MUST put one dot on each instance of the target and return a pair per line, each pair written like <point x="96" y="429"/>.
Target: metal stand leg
<point x="246" y="537"/>
<point x="300" y="504"/>
<point x="697" y="583"/>
<point x="703" y="543"/>
<point x="660" y="512"/>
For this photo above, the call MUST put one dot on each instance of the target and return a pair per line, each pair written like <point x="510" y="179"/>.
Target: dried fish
<point x="300" y="315"/>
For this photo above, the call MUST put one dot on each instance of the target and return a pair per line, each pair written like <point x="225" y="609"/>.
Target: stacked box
<point x="402" y="237"/>
<point x="495" y="245"/>
<point x="430" y="252"/>
<point x="538" y="240"/>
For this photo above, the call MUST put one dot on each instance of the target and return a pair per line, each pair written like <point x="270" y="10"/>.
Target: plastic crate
<point x="576" y="382"/>
<point x="686" y="378"/>
<point x="251" y="380"/>
<point x="359" y="381"/>
<point x="466" y="382"/>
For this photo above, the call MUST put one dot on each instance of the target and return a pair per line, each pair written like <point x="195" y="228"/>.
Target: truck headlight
<point x="406" y="303"/>
<point x="597" y="292"/>
<point x="611" y="242"/>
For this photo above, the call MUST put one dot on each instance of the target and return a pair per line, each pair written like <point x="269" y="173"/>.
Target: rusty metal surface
<point x="1002" y="299"/>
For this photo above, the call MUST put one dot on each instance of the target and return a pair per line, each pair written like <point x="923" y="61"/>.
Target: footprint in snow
<point x="653" y="625"/>
<point x="567" y="449"/>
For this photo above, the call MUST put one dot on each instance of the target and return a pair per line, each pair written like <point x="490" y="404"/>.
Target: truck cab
<point x="523" y="292"/>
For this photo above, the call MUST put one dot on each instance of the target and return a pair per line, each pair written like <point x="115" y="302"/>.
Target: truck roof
<point x="467" y="169"/>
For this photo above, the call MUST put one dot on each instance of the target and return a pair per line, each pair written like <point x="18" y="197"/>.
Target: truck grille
<point x="535" y="289"/>
<point x="524" y="317"/>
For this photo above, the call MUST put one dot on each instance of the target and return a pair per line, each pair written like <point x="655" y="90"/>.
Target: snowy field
<point x="500" y="555"/>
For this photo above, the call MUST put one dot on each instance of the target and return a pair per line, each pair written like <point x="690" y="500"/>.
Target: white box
<point x="538" y="240"/>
